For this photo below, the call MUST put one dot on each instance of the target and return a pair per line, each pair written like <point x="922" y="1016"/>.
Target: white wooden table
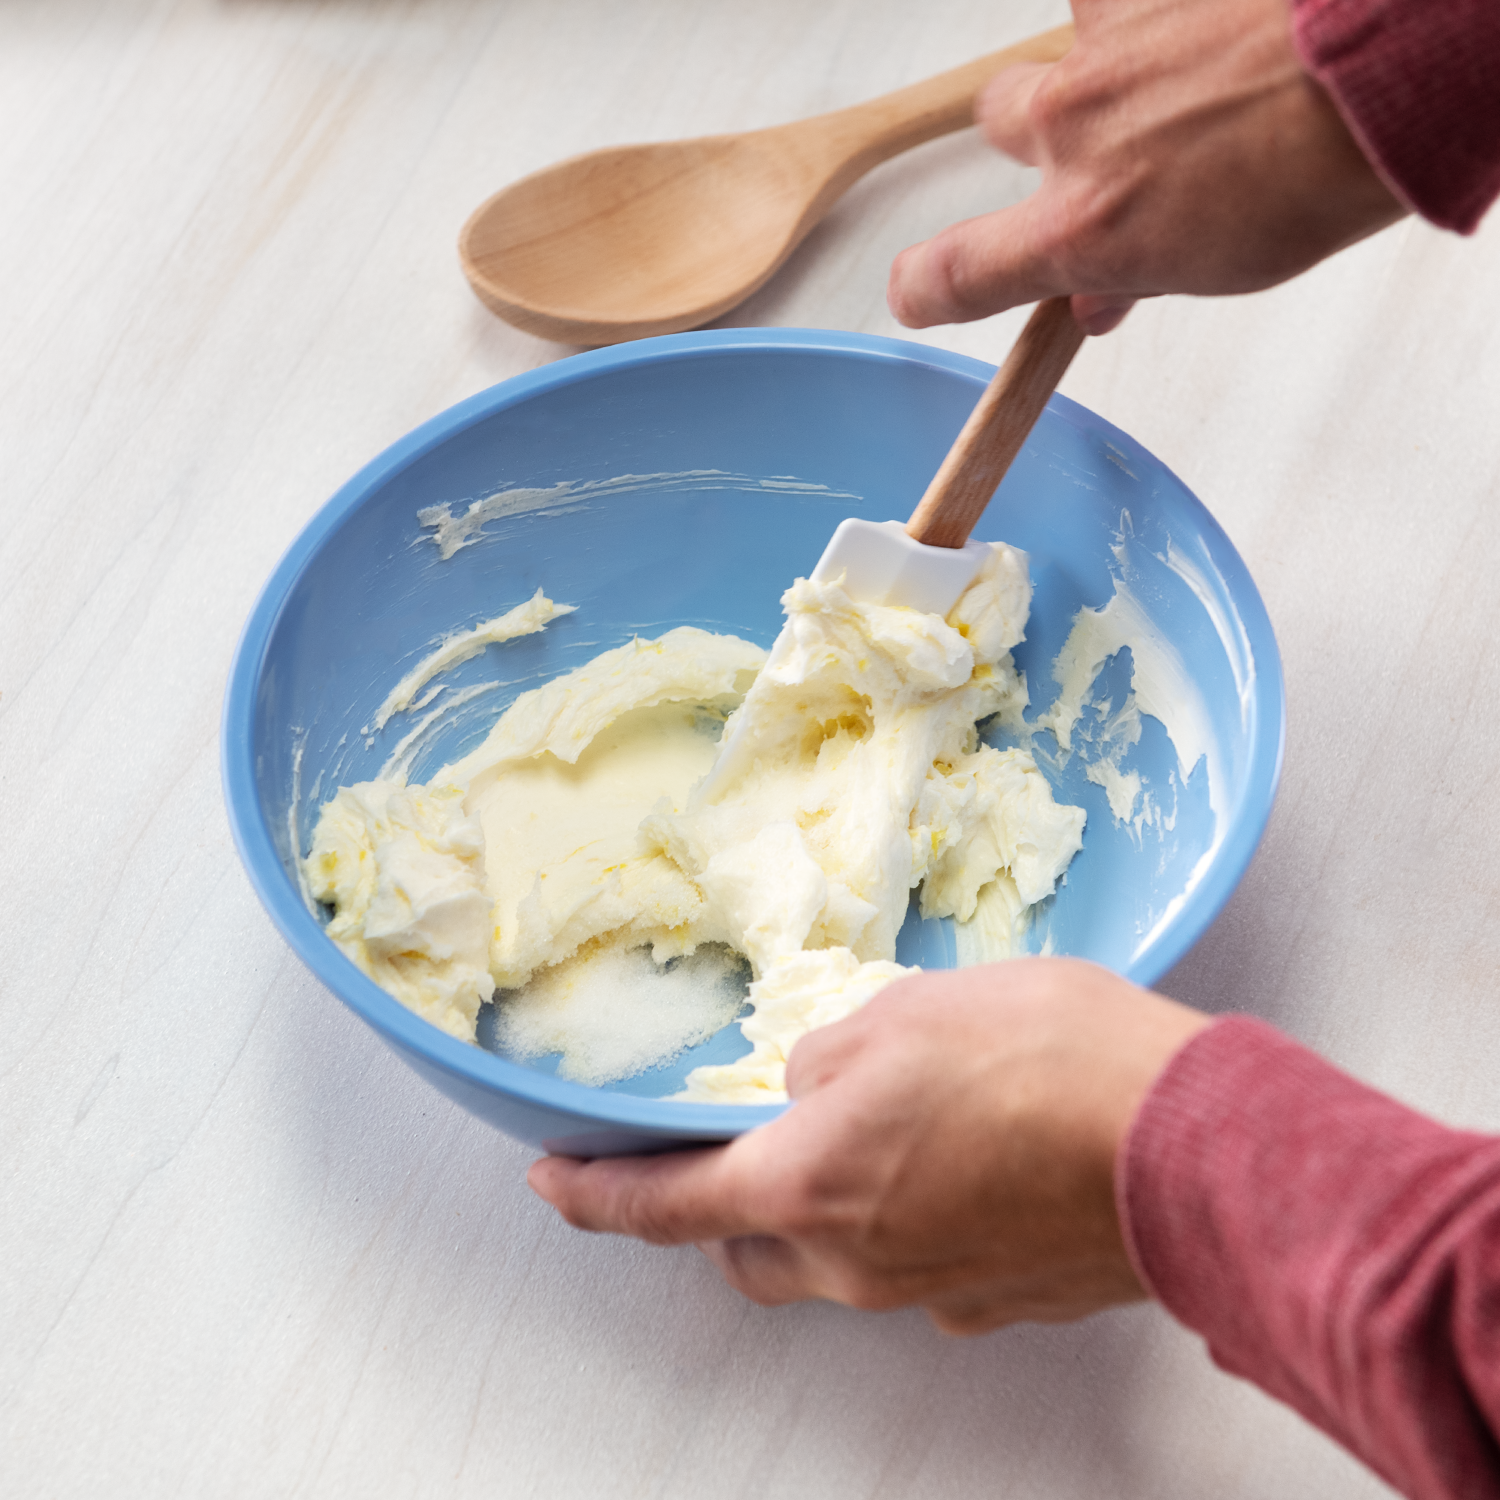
<point x="243" y="1252"/>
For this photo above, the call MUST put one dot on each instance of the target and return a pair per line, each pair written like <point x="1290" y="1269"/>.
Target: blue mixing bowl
<point x="687" y="480"/>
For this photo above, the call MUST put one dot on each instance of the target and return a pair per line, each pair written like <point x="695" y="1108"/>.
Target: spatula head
<point x="881" y="564"/>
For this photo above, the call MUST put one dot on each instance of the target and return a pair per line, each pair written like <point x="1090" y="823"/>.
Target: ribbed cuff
<point x="1418" y="84"/>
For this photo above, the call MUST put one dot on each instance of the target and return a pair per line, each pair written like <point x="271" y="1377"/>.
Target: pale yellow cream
<point x="605" y="812"/>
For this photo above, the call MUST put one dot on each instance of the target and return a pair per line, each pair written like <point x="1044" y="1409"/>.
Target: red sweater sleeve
<point x="1418" y="83"/>
<point x="1333" y="1246"/>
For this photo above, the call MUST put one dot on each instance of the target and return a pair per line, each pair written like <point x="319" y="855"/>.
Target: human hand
<point x="1183" y="149"/>
<point x="951" y="1145"/>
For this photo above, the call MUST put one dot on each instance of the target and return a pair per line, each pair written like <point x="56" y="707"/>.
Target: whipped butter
<point x="693" y="795"/>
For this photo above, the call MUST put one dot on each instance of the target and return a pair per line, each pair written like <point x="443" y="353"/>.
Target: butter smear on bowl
<point x="632" y="833"/>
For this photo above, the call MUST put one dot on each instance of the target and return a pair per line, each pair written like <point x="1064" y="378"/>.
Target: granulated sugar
<point x="613" y="1013"/>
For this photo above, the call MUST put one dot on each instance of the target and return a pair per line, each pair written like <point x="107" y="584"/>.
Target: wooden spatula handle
<point x="880" y="128"/>
<point x="997" y="427"/>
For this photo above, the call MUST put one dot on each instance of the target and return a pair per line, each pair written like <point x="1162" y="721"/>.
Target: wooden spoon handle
<point x="895" y="122"/>
<point x="991" y="438"/>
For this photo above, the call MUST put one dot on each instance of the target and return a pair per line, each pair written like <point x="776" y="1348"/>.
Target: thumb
<point x="976" y="268"/>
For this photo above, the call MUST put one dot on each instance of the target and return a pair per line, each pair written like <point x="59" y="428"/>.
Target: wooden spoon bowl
<point x="640" y="240"/>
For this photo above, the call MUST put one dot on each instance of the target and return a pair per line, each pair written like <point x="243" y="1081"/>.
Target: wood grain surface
<point x="243" y="1251"/>
<point x="633" y="241"/>
<point x="998" y="426"/>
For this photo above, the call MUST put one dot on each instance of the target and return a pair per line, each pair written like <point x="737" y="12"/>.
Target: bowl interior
<point x="687" y="481"/>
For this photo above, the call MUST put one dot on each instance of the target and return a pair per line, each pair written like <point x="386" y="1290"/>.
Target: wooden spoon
<point x="640" y="240"/>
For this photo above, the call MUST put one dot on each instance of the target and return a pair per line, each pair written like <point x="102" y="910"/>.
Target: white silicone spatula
<point x="927" y="563"/>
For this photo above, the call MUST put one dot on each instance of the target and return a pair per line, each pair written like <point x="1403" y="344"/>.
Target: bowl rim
<point x="283" y="900"/>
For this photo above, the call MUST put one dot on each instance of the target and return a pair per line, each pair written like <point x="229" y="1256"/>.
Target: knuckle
<point x="655" y="1228"/>
<point x="1048" y="106"/>
<point x="966" y="1325"/>
<point x="861" y="1289"/>
<point x="814" y="1062"/>
<point x="645" y="1217"/>
<point x="574" y="1217"/>
<point x="822" y="1056"/>
<point x="956" y="276"/>
<point x="956" y="1325"/>
<point x="794" y="1204"/>
<point x="741" y="1264"/>
<point x="824" y="1196"/>
<point x="969" y="1316"/>
<point x="1081" y="236"/>
<point x="1072" y="98"/>
<point x="732" y="1261"/>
